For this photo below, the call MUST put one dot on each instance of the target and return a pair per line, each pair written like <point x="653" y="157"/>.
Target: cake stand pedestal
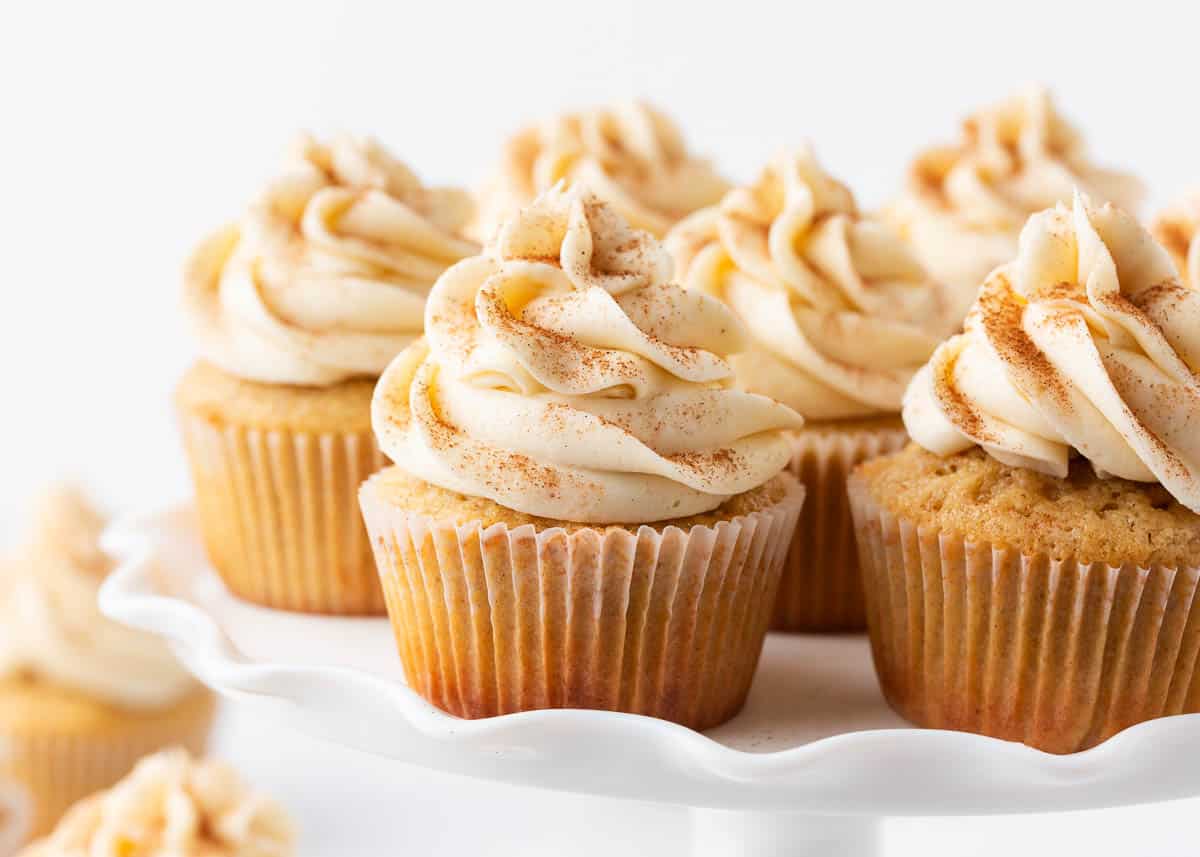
<point x="810" y="766"/>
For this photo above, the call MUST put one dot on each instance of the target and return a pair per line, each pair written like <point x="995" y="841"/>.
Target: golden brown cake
<point x="586" y="511"/>
<point x="297" y="308"/>
<point x="81" y="697"/>
<point x="840" y="315"/>
<point x="1031" y="562"/>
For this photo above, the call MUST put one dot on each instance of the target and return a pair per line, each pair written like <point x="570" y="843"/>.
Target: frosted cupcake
<point x="1178" y="230"/>
<point x="1032" y="560"/>
<point x="297" y="308"/>
<point x="964" y="204"/>
<point x="840" y="316"/>
<point x="585" y="511"/>
<point x="628" y="154"/>
<point x="81" y="697"/>
<point x="173" y="806"/>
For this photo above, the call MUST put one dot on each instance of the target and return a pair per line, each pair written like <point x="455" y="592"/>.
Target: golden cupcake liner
<point x="279" y="515"/>
<point x="1059" y="655"/>
<point x="57" y="770"/>
<point x="493" y="620"/>
<point x="821" y="589"/>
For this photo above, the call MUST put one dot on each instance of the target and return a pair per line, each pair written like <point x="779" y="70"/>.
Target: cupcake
<point x="297" y="308"/>
<point x="585" y="512"/>
<point x="964" y="204"/>
<point x="628" y="154"/>
<point x="170" y="806"/>
<point x="81" y="697"/>
<point x="1032" y="561"/>
<point x="1178" y="230"/>
<point x="840" y="315"/>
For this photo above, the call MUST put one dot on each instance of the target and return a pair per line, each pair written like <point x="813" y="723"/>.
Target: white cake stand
<point x="809" y="767"/>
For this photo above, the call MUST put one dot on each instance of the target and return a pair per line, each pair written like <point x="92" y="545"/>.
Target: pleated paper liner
<point x="666" y="623"/>
<point x="279" y="515"/>
<point x="58" y="769"/>
<point x="1059" y="655"/>
<point x="821" y="588"/>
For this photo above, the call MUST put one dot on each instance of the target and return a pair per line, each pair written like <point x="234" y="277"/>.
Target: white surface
<point x="131" y="128"/>
<point x="816" y="736"/>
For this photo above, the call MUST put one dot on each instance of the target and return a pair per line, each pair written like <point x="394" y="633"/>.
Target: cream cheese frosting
<point x="325" y="276"/>
<point x="1178" y="229"/>
<point x="1086" y="344"/>
<point x="566" y="376"/>
<point x="839" y="310"/>
<point x="51" y="626"/>
<point x="628" y="154"/>
<point x="965" y="204"/>
<point x="173" y="806"/>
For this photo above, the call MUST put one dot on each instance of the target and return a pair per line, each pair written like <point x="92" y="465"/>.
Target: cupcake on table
<point x="840" y="315"/>
<point x="629" y="154"/>
<point x="172" y="805"/>
<point x="964" y="204"/>
<point x="1178" y="230"/>
<point x="585" y="511"/>
<point x="297" y="309"/>
<point x="81" y="697"/>
<point x="1032" y="559"/>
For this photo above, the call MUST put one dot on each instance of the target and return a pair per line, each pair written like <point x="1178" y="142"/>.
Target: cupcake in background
<point x="297" y="308"/>
<point x="1032" y="560"/>
<point x="585" y="512"/>
<point x="964" y="204"/>
<point x="172" y="805"/>
<point x="628" y="154"/>
<point x="81" y="697"/>
<point x="840" y="315"/>
<point x="1178" y="230"/>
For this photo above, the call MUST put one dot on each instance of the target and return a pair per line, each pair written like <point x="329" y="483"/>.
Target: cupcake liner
<point x="821" y="589"/>
<point x="493" y="620"/>
<point x="57" y="770"/>
<point x="279" y="514"/>
<point x="1059" y="655"/>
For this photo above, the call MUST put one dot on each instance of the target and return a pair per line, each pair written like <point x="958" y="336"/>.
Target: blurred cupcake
<point x="628" y="154"/>
<point x="173" y="806"/>
<point x="81" y="697"/>
<point x="297" y="308"/>
<point x="840" y="315"/>
<point x="1178" y="230"/>
<point x="965" y="204"/>
<point x="586" y="513"/>
<point x="1032" y="562"/>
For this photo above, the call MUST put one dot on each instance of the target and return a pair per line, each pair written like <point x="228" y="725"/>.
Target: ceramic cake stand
<point x="809" y="767"/>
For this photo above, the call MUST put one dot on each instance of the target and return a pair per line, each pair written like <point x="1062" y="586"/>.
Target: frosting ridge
<point x="1178" y="230"/>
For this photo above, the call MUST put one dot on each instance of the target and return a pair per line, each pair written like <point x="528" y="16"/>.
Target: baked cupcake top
<point x="840" y="312"/>
<point x="324" y="278"/>
<point x="566" y="376"/>
<point x="173" y="806"/>
<point x="1087" y="344"/>
<point x="1178" y="229"/>
<point x="51" y="627"/>
<point x="629" y="154"/>
<point x="964" y="204"/>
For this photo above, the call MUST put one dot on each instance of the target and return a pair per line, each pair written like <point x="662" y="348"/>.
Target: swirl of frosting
<point x="51" y="626"/>
<point x="965" y="204"/>
<point x="840" y="312"/>
<point x="1178" y="229"/>
<point x="173" y="806"/>
<point x="565" y="376"/>
<point x="325" y="277"/>
<point x="1086" y="342"/>
<point x="628" y="154"/>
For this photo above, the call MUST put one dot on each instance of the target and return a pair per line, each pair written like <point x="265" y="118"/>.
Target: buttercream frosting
<point x="1178" y="230"/>
<point x="325" y="276"/>
<point x="566" y="376"/>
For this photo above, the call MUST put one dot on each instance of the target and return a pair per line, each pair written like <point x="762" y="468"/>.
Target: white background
<point x="130" y="129"/>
